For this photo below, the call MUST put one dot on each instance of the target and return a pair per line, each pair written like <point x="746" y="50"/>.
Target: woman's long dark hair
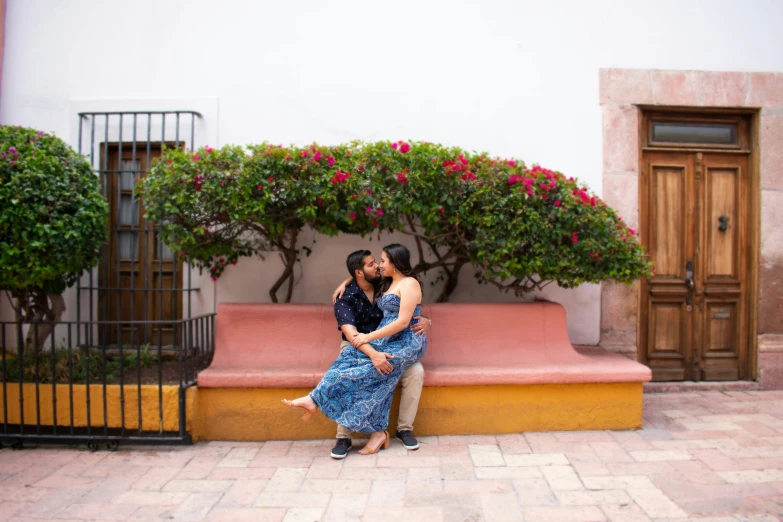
<point x="400" y="257"/>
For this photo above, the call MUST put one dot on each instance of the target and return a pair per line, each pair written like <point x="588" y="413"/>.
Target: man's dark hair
<point x="355" y="261"/>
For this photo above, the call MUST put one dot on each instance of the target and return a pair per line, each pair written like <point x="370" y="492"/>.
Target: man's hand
<point x="379" y="360"/>
<point x="360" y="339"/>
<point x="422" y="326"/>
<point x="338" y="293"/>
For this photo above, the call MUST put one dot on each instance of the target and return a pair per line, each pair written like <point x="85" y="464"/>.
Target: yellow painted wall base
<point x="257" y="414"/>
<point x="150" y="411"/>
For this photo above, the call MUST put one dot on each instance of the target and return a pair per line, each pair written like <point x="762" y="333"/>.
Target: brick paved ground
<point x="714" y="456"/>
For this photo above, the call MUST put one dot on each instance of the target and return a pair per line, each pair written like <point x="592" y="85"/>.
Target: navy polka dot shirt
<point x="355" y="309"/>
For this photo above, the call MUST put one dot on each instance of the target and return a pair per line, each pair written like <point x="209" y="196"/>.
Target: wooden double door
<point x="139" y="277"/>
<point x="694" y="315"/>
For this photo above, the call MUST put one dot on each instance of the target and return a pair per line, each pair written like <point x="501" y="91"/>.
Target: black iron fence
<point x="65" y="389"/>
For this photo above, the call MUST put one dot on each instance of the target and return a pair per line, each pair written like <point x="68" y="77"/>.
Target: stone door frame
<point x="623" y="93"/>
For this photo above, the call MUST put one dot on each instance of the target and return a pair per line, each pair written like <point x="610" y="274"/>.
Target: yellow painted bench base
<point x="257" y="414"/>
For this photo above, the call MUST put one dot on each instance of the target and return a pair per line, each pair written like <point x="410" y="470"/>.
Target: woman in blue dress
<point x="353" y="393"/>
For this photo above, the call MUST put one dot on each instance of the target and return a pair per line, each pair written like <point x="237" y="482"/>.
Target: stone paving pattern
<point x="710" y="456"/>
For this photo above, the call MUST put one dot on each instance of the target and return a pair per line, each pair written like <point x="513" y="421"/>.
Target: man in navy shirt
<point x="357" y="312"/>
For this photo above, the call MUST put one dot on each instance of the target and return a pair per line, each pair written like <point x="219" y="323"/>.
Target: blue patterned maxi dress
<point x="352" y="392"/>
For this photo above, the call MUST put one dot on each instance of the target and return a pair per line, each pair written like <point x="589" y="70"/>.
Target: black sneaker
<point x="341" y="449"/>
<point x="408" y="440"/>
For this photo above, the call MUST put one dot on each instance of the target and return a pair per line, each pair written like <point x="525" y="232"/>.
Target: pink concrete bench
<point x="292" y="346"/>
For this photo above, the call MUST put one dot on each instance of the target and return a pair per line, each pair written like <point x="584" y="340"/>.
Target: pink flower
<point x="511" y="163"/>
<point x="442" y="209"/>
<point x="260" y="187"/>
<point x="319" y="201"/>
<point x="317" y="156"/>
<point x="40" y="134"/>
<point x="394" y="146"/>
<point x="367" y="191"/>
<point x="270" y="179"/>
<point x="196" y="158"/>
<point x="401" y="178"/>
<point x="379" y="212"/>
<point x="553" y="183"/>
<point x="374" y="223"/>
<point x="632" y="231"/>
<point x="213" y="278"/>
<point x="340" y="177"/>
<point x="330" y="159"/>
<point x="352" y="216"/>
<point x="557" y="203"/>
<point x="513" y="179"/>
<point x="369" y="210"/>
<point x="233" y="261"/>
<point x="575" y="238"/>
<point x="208" y="149"/>
<point x="222" y="183"/>
<point x="304" y="153"/>
<point x="12" y="150"/>
<point x="548" y="175"/>
<point x="528" y="182"/>
<point x="405" y="148"/>
<point x="288" y="158"/>
<point x="463" y="159"/>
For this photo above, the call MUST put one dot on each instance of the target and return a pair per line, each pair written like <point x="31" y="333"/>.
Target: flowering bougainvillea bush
<point x="521" y="227"/>
<point x="53" y="221"/>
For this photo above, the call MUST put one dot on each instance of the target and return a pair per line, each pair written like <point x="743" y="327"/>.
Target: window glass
<point x="696" y="133"/>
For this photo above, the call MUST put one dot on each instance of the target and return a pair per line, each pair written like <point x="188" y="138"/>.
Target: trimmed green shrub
<point x="53" y="221"/>
<point x="521" y="227"/>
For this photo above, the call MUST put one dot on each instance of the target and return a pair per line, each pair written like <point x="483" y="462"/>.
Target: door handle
<point x="689" y="284"/>
<point x="724" y="223"/>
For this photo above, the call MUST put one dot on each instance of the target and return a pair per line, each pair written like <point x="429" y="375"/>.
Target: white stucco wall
<point x="517" y="78"/>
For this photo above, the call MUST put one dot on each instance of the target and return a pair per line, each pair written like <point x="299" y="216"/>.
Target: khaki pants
<point x="412" y="381"/>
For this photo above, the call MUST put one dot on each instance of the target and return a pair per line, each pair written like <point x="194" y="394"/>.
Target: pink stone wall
<point x="620" y="92"/>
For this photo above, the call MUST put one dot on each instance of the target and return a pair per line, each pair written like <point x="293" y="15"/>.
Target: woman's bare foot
<point x="305" y="403"/>
<point x="377" y="440"/>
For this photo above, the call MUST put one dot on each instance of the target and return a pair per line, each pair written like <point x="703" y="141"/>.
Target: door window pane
<point x="129" y="245"/>
<point x="695" y="133"/>
<point x="129" y="210"/>
<point x="129" y="171"/>
<point x="161" y="250"/>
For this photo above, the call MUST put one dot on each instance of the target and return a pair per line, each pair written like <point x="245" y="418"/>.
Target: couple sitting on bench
<point x="384" y="336"/>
